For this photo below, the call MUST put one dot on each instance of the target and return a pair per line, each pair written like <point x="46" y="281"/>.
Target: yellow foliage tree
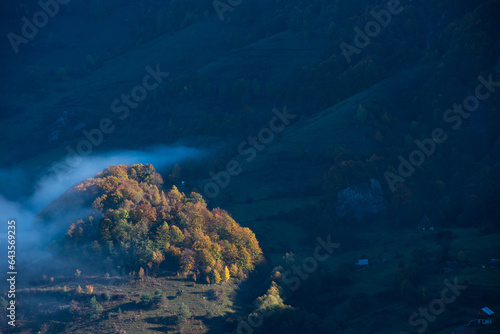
<point x="245" y="260"/>
<point x="79" y="289"/>
<point x="217" y="278"/>
<point x="226" y="275"/>
<point x="206" y="258"/>
<point x="271" y="299"/>
<point x="158" y="258"/>
<point x="89" y="289"/>
<point x="141" y="273"/>
<point x="233" y="269"/>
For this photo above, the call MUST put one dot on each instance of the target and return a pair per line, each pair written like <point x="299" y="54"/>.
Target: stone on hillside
<point x="361" y="200"/>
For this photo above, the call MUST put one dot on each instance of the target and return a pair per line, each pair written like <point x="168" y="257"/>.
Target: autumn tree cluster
<point x="137" y="226"/>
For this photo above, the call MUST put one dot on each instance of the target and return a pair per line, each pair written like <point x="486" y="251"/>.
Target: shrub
<point x="163" y="302"/>
<point x="74" y="309"/>
<point x="157" y="296"/>
<point x="215" y="294"/>
<point x="146" y="298"/>
<point x="89" y="289"/>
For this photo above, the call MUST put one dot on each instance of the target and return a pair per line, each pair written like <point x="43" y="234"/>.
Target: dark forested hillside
<point x="243" y="166"/>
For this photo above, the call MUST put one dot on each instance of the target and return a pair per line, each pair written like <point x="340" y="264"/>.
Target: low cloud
<point x="32" y="239"/>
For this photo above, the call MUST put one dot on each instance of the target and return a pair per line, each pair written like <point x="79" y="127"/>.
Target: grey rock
<point x="361" y="200"/>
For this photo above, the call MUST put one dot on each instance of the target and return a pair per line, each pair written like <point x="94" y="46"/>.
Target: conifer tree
<point x="217" y="278"/>
<point x="184" y="313"/>
<point x="227" y="275"/>
<point x="95" y="309"/>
